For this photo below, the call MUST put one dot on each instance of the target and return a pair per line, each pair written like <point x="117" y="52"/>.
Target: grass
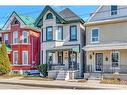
<point x="7" y="76"/>
<point x="112" y="81"/>
<point x="36" y="78"/>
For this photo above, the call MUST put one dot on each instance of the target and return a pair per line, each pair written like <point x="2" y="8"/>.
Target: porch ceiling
<point x="61" y="48"/>
<point x="105" y="47"/>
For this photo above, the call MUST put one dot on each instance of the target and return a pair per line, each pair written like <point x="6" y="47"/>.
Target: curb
<point x="50" y="86"/>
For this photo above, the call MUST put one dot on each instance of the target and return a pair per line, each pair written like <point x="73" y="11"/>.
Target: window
<point x="15" y="57"/>
<point x="73" y="33"/>
<point x="49" y="33"/>
<point x="16" y="22"/>
<point x="113" y="10"/>
<point x="25" y="57"/>
<point x="95" y="35"/>
<point x="15" y="37"/>
<point x="6" y="38"/>
<point x="49" y="16"/>
<point x="60" y="33"/>
<point x="25" y="37"/>
<point x="115" y="59"/>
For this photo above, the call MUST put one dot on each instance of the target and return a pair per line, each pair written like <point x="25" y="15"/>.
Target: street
<point x="10" y="86"/>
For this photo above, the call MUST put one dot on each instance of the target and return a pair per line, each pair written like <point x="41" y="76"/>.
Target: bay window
<point x="15" y="57"/>
<point x="49" y="33"/>
<point x="25" y="37"/>
<point x="113" y="10"/>
<point x="15" y="37"/>
<point x="60" y="33"/>
<point x="25" y="57"/>
<point x="6" y="38"/>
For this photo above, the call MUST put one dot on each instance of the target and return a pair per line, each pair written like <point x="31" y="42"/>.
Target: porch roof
<point x="61" y="48"/>
<point x="114" y="46"/>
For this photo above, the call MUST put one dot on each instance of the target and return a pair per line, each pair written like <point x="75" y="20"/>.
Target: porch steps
<point x="61" y="75"/>
<point x="94" y="76"/>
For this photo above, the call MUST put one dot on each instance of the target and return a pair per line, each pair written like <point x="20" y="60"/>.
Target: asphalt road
<point x="10" y="86"/>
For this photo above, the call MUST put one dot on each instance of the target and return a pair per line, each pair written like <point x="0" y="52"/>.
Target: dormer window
<point x="49" y="16"/>
<point x="113" y="10"/>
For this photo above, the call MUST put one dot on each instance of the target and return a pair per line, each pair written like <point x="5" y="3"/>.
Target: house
<point x="23" y="43"/>
<point x="106" y="40"/>
<point x="62" y="39"/>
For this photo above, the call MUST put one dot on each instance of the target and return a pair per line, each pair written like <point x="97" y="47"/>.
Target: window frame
<point x="113" y="11"/>
<point x="5" y="37"/>
<point x="47" y="33"/>
<point x="76" y="33"/>
<point x="98" y="35"/>
<point x="24" y="37"/>
<point x="118" y="59"/>
<point x="47" y="16"/>
<point x="23" y="58"/>
<point x="14" y="58"/>
<point x="15" y="37"/>
<point x="61" y="33"/>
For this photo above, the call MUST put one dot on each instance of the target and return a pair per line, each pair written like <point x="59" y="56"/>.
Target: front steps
<point x="61" y="75"/>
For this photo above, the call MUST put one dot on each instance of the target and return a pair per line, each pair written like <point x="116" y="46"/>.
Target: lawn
<point x="36" y="78"/>
<point x="112" y="81"/>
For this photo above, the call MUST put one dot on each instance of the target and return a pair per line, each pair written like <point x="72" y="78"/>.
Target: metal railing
<point x="108" y="69"/>
<point x="69" y="66"/>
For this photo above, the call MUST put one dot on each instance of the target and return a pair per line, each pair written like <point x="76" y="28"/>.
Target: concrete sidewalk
<point x="91" y="84"/>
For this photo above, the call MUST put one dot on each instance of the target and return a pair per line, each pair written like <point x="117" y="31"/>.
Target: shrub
<point x="42" y="69"/>
<point x="4" y="60"/>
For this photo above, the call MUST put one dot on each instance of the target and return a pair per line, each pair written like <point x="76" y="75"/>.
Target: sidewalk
<point x="91" y="84"/>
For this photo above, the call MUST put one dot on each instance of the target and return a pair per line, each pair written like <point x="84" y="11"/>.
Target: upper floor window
<point x="73" y="33"/>
<point x="49" y="16"/>
<point x="95" y="35"/>
<point x="6" y="38"/>
<point x="25" y="37"/>
<point x="49" y="33"/>
<point x="113" y="10"/>
<point x="60" y="33"/>
<point x="15" y="37"/>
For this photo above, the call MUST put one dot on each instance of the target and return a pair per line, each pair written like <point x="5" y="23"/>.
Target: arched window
<point x="16" y="22"/>
<point x="49" y="16"/>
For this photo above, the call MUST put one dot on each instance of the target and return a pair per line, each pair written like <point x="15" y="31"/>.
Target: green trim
<point x="40" y="18"/>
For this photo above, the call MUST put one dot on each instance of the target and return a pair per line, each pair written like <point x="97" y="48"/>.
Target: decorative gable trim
<point x="38" y="22"/>
<point x="8" y="22"/>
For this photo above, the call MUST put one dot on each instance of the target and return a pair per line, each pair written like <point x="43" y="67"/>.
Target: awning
<point x="61" y="48"/>
<point x="105" y="47"/>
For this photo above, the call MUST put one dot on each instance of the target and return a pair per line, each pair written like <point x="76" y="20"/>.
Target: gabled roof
<point x="94" y="13"/>
<point x="64" y="16"/>
<point x="26" y="20"/>
<point x="68" y="15"/>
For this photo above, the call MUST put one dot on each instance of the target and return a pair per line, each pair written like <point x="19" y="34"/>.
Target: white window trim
<point x="14" y="58"/>
<point x="98" y="35"/>
<point x="27" y="38"/>
<point x="13" y="37"/>
<point x="111" y="11"/>
<point x="5" y="37"/>
<point x="23" y="58"/>
<point x="111" y="59"/>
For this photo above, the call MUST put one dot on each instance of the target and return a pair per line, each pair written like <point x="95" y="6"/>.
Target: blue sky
<point x="34" y="11"/>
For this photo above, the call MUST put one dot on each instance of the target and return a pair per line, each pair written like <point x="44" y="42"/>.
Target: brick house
<point x="23" y="42"/>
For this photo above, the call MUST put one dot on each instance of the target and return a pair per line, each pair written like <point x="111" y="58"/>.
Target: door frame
<point x="96" y="61"/>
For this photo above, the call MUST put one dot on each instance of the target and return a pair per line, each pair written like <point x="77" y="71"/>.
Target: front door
<point x="99" y="61"/>
<point x="60" y="58"/>
<point x="72" y="60"/>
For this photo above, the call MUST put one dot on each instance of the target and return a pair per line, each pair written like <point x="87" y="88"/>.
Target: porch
<point x="63" y="60"/>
